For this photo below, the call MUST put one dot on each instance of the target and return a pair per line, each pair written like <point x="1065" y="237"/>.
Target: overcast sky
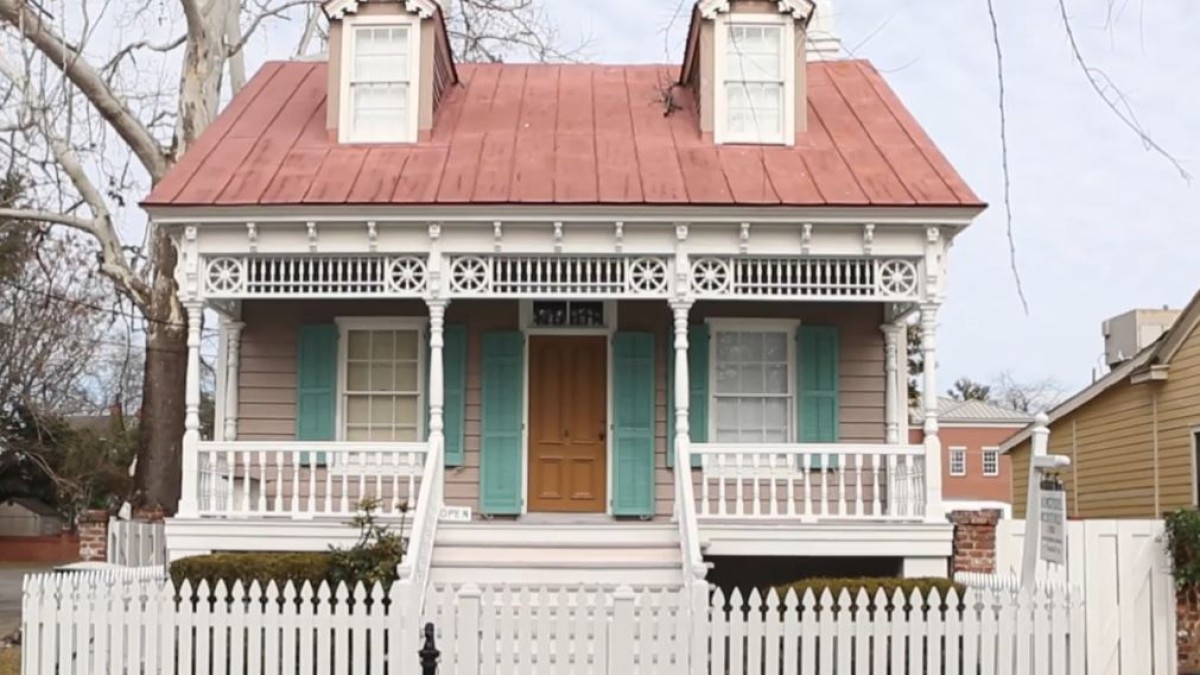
<point x="1101" y="224"/>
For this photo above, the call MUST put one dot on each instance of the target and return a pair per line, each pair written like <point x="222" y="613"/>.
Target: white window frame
<point x="407" y="133"/>
<point x="721" y="133"/>
<point x="735" y="325"/>
<point x="983" y="463"/>
<point x="961" y="452"/>
<point x="1194" y="434"/>
<point x="347" y="324"/>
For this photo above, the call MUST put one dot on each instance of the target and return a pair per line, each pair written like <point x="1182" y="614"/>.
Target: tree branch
<point x="89" y="81"/>
<point x="32" y="215"/>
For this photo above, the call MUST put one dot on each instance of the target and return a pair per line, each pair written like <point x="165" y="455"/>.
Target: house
<point x="29" y="517"/>
<point x="568" y="322"/>
<point x="1133" y="435"/>
<point x="975" y="475"/>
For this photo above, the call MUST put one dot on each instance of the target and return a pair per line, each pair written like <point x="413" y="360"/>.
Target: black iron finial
<point x="429" y="653"/>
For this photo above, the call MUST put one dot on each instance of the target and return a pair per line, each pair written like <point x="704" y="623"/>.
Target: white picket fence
<point x="1123" y="568"/>
<point x="76" y="624"/>
<point x="136" y="544"/>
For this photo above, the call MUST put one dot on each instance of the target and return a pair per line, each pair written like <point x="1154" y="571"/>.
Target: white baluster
<point x="858" y="485"/>
<point x="875" y="483"/>
<point x="723" y="470"/>
<point x="824" y="483"/>
<point x="279" y="458"/>
<point x="294" y="457"/>
<point x="804" y="469"/>
<point x="739" y="482"/>
<point x="841" y="477"/>
<point x="773" y="477"/>
<point x="704" y="460"/>
<point x="231" y="469"/>
<point x="790" y="477"/>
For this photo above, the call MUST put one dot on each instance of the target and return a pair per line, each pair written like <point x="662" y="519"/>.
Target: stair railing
<point x="418" y="558"/>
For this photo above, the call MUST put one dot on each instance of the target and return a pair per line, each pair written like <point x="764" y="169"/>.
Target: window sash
<point x="378" y="62"/>
<point x="732" y="402"/>
<point x="390" y="410"/>
<point x="958" y="462"/>
<point x="991" y="463"/>
<point x="755" y="86"/>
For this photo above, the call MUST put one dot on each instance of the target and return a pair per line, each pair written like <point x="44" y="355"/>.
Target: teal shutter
<point x="500" y="423"/>
<point x="454" y="369"/>
<point x="697" y="388"/>
<point x="633" y="424"/>
<point x="316" y="385"/>
<point x="455" y="374"/>
<point x="817" y="390"/>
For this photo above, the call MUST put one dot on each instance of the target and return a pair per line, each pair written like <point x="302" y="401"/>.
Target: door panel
<point x="567" y="423"/>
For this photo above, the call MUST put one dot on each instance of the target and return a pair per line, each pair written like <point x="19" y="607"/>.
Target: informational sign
<point x="1053" y="520"/>
<point x="455" y="514"/>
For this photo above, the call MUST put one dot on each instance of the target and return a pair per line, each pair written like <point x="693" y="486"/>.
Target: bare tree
<point x="1030" y="397"/>
<point x="101" y="101"/>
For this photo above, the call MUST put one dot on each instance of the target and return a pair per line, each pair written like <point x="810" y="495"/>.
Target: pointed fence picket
<point x="76" y="624"/>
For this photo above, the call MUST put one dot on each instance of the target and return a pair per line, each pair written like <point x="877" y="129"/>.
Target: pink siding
<point x="267" y="384"/>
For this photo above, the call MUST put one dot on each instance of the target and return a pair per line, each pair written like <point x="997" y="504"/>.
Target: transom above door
<point x="568" y="423"/>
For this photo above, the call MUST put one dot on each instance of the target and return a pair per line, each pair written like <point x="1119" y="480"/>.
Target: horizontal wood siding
<point x="1130" y="447"/>
<point x="267" y="384"/>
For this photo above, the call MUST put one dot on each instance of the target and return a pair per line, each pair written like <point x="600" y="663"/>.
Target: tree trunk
<point x="160" y="437"/>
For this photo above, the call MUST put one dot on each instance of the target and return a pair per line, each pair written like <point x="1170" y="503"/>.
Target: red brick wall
<point x="61" y="549"/>
<point x="974" y="541"/>
<point x="1187" y="630"/>
<point x="974" y="485"/>
<point x="93" y="536"/>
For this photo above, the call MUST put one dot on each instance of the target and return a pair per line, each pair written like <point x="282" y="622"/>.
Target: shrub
<point x="377" y="553"/>
<point x="1183" y="545"/>
<point x="871" y="585"/>
<point x="249" y="567"/>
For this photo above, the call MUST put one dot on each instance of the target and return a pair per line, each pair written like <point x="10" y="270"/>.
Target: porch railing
<point x="811" y="481"/>
<point x="304" y="480"/>
<point x="418" y="558"/>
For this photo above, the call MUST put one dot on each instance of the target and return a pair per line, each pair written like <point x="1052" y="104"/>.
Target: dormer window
<point x="380" y="72"/>
<point x="755" y="68"/>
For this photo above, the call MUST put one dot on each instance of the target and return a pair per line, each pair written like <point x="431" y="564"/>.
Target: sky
<point x="1101" y="225"/>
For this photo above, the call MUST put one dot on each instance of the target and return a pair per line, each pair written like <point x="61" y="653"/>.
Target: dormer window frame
<point x="408" y="128"/>
<point x="722" y="135"/>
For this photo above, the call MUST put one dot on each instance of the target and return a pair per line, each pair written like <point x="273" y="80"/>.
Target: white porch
<point x="734" y="491"/>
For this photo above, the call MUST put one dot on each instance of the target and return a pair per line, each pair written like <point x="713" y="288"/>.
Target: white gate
<point x="1123" y="569"/>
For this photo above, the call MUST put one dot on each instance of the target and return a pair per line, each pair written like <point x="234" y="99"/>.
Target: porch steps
<point x="549" y="554"/>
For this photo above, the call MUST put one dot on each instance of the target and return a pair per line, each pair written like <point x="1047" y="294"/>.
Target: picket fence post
<point x="466" y="652"/>
<point x="620" y="631"/>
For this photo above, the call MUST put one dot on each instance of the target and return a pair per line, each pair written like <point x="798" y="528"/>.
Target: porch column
<point x="895" y="400"/>
<point x="437" y="393"/>
<point x="188" y="500"/>
<point x="233" y="351"/>
<point x="929" y="395"/>
<point x="680" y="309"/>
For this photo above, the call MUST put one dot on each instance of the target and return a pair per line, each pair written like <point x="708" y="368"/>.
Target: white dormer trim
<point x="346" y="133"/>
<point x="338" y="9"/>
<point x="801" y="10"/>
<point x="721" y="133"/>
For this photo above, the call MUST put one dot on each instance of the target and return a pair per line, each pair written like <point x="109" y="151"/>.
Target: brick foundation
<point x="1187" y="630"/>
<point x="974" y="541"/>
<point x="93" y="536"/>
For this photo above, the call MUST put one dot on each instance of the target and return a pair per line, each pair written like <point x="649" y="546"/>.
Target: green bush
<point x="871" y="585"/>
<point x="249" y="567"/>
<point x="1183" y="545"/>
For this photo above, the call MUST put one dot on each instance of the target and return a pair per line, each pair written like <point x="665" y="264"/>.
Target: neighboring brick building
<point x="975" y="475"/>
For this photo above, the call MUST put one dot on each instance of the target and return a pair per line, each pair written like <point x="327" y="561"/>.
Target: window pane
<point x="358" y="434"/>
<point x="383" y="345"/>
<point x="776" y="415"/>
<point x="358" y="409"/>
<point x="382" y="410"/>
<point x="752" y="380"/>
<point x="358" y="377"/>
<point x="777" y="379"/>
<point x="406" y="344"/>
<point x="406" y="411"/>
<point x="359" y="344"/>
<point x="381" y="377"/>
<point x="406" y="377"/>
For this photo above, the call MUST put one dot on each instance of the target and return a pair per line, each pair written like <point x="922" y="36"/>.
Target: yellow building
<point x="1132" y="436"/>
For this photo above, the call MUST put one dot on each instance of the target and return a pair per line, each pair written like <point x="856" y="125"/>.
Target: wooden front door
<point x="568" y="424"/>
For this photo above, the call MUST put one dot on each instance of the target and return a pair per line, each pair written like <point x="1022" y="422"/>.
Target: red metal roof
<point x="570" y="134"/>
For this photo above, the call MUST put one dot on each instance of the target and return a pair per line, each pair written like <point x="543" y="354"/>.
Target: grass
<point x="10" y="661"/>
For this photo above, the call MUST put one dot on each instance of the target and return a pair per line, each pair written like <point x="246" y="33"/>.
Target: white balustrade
<point x="810" y="481"/>
<point x="307" y="479"/>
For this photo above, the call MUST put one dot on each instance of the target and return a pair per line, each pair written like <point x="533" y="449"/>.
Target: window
<point x="1196" y="466"/>
<point x="958" y="461"/>
<point x="758" y="64"/>
<point x="379" y="79"/>
<point x="568" y="314"/>
<point x="753" y="386"/>
<point x="991" y="462"/>
<point x="381" y="395"/>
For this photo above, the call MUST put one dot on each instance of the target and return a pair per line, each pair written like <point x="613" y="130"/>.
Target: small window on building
<point x="382" y="395"/>
<point x="958" y="461"/>
<point x="991" y="462"/>
<point x="756" y="83"/>
<point x="753" y="388"/>
<point x="1196" y="466"/>
<point x="379" y="84"/>
<point x="568" y="314"/>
